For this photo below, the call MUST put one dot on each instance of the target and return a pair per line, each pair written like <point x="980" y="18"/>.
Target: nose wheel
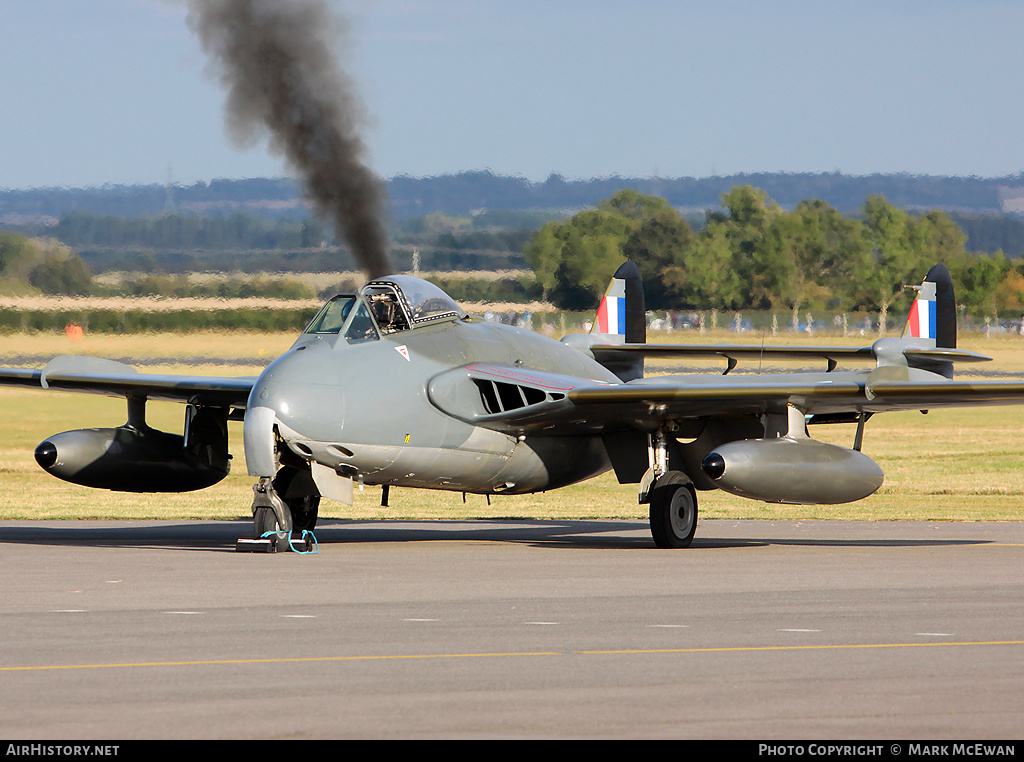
<point x="281" y="518"/>
<point x="265" y="520"/>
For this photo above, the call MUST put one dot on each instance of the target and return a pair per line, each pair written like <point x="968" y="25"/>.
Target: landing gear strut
<point x="269" y="512"/>
<point x="283" y="508"/>
<point x="672" y="498"/>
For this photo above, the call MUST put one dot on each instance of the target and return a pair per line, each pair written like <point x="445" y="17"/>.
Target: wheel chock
<point x="274" y="542"/>
<point x="256" y="545"/>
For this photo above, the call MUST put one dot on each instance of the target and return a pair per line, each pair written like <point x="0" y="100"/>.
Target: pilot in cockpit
<point x="386" y="311"/>
<point x="383" y="311"/>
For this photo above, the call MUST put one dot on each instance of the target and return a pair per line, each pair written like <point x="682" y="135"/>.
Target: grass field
<point x="948" y="465"/>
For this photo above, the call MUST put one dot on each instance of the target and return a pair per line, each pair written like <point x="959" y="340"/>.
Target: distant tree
<point x="45" y="264"/>
<point x="827" y="248"/>
<point x="759" y="254"/>
<point x="777" y="279"/>
<point x="709" y="278"/>
<point x="17" y="256"/>
<point x="58" y="270"/>
<point x="55" y="275"/>
<point x="1010" y="291"/>
<point x="978" y="278"/>
<point x="575" y="258"/>
<point x="591" y="247"/>
<point x="658" y="246"/>
<point x="881" y="278"/>
<point x="937" y="236"/>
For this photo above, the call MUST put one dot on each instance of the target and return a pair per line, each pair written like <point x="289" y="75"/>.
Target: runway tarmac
<point x="513" y="629"/>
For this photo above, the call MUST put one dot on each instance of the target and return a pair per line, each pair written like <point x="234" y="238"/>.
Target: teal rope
<point x="312" y="537"/>
<point x="291" y="545"/>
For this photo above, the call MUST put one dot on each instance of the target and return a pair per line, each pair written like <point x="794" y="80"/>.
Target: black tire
<point x="673" y="515"/>
<point x="304" y="512"/>
<point x="304" y="508"/>
<point x="264" y="520"/>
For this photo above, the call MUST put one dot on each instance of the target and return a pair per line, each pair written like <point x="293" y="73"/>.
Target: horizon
<point x="1016" y="176"/>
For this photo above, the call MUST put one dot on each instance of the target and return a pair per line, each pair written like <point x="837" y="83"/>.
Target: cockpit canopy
<point x="397" y="303"/>
<point x="414" y="301"/>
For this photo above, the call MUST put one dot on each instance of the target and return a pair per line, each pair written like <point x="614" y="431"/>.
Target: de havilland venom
<point x="397" y="386"/>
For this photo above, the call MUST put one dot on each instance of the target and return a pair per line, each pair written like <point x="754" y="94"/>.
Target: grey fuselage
<point x="364" y="409"/>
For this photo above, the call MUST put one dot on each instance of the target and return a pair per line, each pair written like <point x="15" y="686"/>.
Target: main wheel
<point x="304" y="508"/>
<point x="673" y="515"/>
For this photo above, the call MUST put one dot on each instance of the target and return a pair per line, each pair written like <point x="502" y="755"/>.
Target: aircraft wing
<point x="516" y="401"/>
<point x="100" y="376"/>
<point x="909" y="395"/>
<point x="544" y="403"/>
<point x="754" y="394"/>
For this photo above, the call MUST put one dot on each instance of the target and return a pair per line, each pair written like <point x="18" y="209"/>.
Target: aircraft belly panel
<point x="485" y="441"/>
<point x="541" y="463"/>
<point x="486" y="461"/>
<point x="444" y="469"/>
<point x="427" y="467"/>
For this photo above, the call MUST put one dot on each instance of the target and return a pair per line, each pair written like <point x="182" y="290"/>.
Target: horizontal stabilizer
<point x="945" y="355"/>
<point x="733" y="352"/>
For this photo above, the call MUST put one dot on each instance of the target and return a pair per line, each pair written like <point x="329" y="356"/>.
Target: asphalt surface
<point x="513" y="629"/>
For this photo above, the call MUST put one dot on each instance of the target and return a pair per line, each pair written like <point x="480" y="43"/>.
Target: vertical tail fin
<point x="622" y="311"/>
<point x="621" y="319"/>
<point x="933" y="314"/>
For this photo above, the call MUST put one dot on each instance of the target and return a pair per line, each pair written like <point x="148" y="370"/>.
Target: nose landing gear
<point x="284" y="514"/>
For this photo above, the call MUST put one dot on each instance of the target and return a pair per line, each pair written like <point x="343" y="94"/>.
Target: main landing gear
<point x="672" y="498"/>
<point x="673" y="511"/>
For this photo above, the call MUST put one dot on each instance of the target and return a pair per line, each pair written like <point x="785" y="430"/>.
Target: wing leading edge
<point x="512" y="401"/>
<point x="100" y="376"/>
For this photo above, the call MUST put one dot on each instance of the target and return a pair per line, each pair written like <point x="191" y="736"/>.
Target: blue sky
<point x="116" y="91"/>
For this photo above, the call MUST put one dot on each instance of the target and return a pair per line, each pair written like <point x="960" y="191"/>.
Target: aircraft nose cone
<point x="301" y="395"/>
<point x="713" y="465"/>
<point x="46" y="454"/>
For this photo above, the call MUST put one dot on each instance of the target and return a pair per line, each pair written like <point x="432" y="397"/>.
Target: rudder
<point x="622" y="310"/>
<point x="933" y="314"/>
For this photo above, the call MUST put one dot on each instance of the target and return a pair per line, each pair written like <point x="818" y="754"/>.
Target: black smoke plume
<point x="276" y="60"/>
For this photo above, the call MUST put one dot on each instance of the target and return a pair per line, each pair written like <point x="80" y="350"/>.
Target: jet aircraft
<point x="396" y="385"/>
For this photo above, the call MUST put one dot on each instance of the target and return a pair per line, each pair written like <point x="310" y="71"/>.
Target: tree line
<point x="466" y="192"/>
<point x="174" y="242"/>
<point x="190" y="231"/>
<point x="756" y="255"/>
<point x="752" y="254"/>
<point x="43" y="264"/>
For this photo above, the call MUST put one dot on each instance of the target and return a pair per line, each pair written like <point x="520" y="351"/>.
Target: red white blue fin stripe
<point x="923" y="320"/>
<point x="611" y="313"/>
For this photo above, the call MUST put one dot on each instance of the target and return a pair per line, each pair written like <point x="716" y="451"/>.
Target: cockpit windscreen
<point x="346" y="315"/>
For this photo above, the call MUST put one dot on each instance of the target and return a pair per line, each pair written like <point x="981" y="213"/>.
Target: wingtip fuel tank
<point x="126" y="459"/>
<point x="792" y="470"/>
